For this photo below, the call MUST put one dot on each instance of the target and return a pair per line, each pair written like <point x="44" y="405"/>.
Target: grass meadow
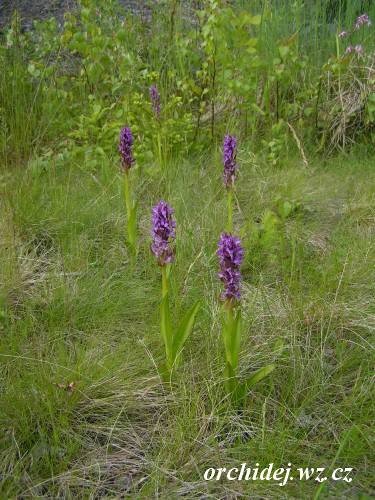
<point x="84" y="410"/>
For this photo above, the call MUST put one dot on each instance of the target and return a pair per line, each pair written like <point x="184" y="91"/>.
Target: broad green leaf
<point x="231" y="338"/>
<point x="284" y="50"/>
<point x="227" y="338"/>
<point x="33" y="70"/>
<point x="121" y="35"/>
<point x="231" y="382"/>
<point x="252" y="42"/>
<point x="240" y="393"/>
<point x="258" y="109"/>
<point x="256" y="20"/>
<point x="278" y="347"/>
<point x="96" y="109"/>
<point x="259" y="375"/>
<point x="184" y="330"/>
<point x="94" y="72"/>
<point x="164" y="372"/>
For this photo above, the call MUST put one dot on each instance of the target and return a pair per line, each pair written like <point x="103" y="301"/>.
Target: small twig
<point x="299" y="145"/>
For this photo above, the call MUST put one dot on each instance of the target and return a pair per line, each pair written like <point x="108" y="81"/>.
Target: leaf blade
<point x="259" y="375"/>
<point x="184" y="330"/>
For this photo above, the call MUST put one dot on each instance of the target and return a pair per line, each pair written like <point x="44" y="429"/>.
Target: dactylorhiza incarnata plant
<point x="163" y="237"/>
<point x="127" y="160"/>
<point x="230" y="168"/>
<point x="231" y="254"/>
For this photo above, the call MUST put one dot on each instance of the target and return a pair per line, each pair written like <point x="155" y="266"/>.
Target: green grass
<point x="75" y="308"/>
<point x="83" y="410"/>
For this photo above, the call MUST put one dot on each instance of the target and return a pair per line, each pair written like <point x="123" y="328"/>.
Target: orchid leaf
<point x="259" y="375"/>
<point x="232" y="337"/>
<point x="231" y="381"/>
<point x="184" y="329"/>
<point x="227" y="342"/>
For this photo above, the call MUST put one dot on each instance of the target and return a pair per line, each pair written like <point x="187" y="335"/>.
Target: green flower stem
<point x="165" y="318"/>
<point x="164" y="281"/>
<point x="127" y="194"/>
<point x="131" y="214"/>
<point x="230" y="355"/>
<point x="230" y="210"/>
<point x="231" y="332"/>
<point x="160" y="154"/>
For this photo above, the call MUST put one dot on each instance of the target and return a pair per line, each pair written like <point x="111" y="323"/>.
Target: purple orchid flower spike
<point x="230" y="253"/>
<point x="163" y="233"/>
<point x="229" y="159"/>
<point x="125" y="148"/>
<point x="155" y="100"/>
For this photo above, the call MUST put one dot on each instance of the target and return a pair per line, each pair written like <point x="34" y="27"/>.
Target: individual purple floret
<point x="343" y="34"/>
<point x="359" y="49"/>
<point x="125" y="148"/>
<point x="349" y="49"/>
<point x="229" y="159"/>
<point x="163" y="233"/>
<point x="361" y="21"/>
<point x="155" y="100"/>
<point x="231" y="255"/>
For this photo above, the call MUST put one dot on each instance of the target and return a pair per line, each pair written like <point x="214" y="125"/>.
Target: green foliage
<point x="237" y="388"/>
<point x="81" y="82"/>
<point x="75" y="309"/>
<point x="20" y="99"/>
<point x="183" y="332"/>
<point x="82" y="409"/>
<point x="174" y="340"/>
<point x="275" y="147"/>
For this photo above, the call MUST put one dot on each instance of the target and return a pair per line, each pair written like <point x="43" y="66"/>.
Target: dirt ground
<point x="44" y="9"/>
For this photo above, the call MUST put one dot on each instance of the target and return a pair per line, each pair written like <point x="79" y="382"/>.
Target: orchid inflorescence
<point x="155" y="100"/>
<point x="127" y="159"/>
<point x="231" y="254"/>
<point x="229" y="160"/>
<point x="125" y="148"/>
<point x="230" y="173"/>
<point x="163" y="233"/>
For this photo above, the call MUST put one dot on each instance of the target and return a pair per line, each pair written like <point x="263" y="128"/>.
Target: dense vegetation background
<point x="83" y="409"/>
